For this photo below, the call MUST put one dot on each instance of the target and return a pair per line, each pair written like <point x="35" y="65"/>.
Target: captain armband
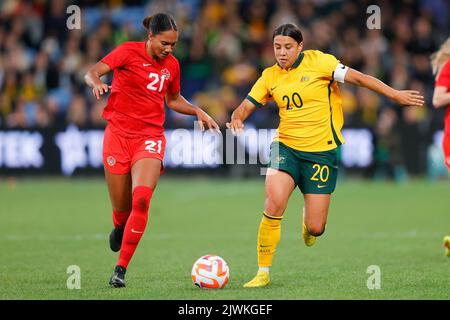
<point x="339" y="72"/>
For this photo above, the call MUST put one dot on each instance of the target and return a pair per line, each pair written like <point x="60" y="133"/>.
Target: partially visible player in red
<point x="145" y="74"/>
<point x="440" y="62"/>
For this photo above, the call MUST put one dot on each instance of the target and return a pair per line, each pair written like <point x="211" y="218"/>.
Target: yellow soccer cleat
<point x="261" y="279"/>
<point x="447" y="245"/>
<point x="308" y="238"/>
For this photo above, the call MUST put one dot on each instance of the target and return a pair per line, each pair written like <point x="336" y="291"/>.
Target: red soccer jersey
<point x="136" y="103"/>
<point x="443" y="80"/>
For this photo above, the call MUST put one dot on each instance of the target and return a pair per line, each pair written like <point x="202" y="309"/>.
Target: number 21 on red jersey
<point x="155" y="78"/>
<point x="153" y="146"/>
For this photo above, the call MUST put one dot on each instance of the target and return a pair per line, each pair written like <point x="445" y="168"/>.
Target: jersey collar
<point x="149" y="57"/>
<point x="296" y="63"/>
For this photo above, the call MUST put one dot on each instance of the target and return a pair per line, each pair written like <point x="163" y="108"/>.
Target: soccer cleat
<point x="115" y="239"/>
<point x="308" y="238"/>
<point x="118" y="277"/>
<point x="447" y="245"/>
<point x="261" y="279"/>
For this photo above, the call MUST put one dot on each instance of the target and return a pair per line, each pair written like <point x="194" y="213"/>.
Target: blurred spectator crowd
<point x="223" y="46"/>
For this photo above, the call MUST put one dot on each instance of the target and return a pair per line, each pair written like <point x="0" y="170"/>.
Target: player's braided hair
<point x="159" y="22"/>
<point x="290" y="30"/>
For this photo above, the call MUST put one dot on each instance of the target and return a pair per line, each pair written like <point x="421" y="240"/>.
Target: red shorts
<point x="446" y="147"/>
<point x="121" y="153"/>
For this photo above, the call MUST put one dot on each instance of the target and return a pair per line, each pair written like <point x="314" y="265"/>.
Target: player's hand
<point x="205" y="119"/>
<point x="409" y="98"/>
<point x="100" y="89"/>
<point x="236" y="126"/>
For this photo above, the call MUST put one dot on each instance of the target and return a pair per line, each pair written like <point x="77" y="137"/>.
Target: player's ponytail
<point x="290" y="30"/>
<point x="159" y="22"/>
<point x="146" y="22"/>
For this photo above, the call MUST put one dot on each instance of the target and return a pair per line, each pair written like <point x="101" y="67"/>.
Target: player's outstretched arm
<point x="179" y="104"/>
<point x="92" y="79"/>
<point x="402" y="97"/>
<point x="236" y="125"/>
<point x="441" y="97"/>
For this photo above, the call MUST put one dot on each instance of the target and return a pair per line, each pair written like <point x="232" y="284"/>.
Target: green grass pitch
<point x="48" y="225"/>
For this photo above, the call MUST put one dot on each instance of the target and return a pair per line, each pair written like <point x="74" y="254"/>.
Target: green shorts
<point x="313" y="172"/>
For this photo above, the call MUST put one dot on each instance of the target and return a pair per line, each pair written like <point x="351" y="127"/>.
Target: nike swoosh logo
<point x="320" y="186"/>
<point x="146" y="64"/>
<point x="273" y="88"/>
<point x="134" y="231"/>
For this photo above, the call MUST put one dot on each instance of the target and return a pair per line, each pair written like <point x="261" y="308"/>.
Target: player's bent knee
<point x="275" y="208"/>
<point x="141" y="198"/>
<point x="316" y="230"/>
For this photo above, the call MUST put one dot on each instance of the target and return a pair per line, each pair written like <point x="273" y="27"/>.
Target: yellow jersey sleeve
<point x="327" y="63"/>
<point x="259" y="95"/>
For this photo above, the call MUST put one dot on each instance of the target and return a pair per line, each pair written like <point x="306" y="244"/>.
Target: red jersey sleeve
<point x="174" y="86"/>
<point x="117" y="57"/>
<point x="443" y="79"/>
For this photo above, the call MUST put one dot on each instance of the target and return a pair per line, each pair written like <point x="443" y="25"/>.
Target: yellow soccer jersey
<point x="309" y="102"/>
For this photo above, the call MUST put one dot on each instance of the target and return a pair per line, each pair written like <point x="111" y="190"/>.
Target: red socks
<point x="120" y="218"/>
<point x="135" y="226"/>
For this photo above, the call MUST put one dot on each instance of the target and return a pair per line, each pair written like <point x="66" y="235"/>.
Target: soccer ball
<point x="210" y="272"/>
